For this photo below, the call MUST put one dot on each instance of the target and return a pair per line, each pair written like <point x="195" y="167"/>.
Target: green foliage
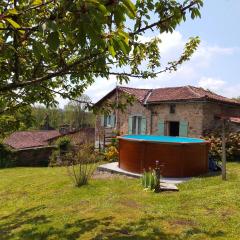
<point x="7" y="156"/>
<point x="63" y="143"/>
<point x="81" y="164"/>
<point x="149" y="180"/>
<point x="61" y="47"/>
<point x="18" y="120"/>
<point x="73" y="114"/>
<point x="55" y="159"/>
<point x="232" y="146"/>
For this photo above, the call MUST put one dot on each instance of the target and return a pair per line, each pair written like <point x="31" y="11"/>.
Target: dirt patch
<point x="183" y="222"/>
<point x="227" y="213"/>
<point x="129" y="203"/>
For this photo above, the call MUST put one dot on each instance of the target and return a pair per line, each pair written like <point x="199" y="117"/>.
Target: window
<point x="108" y="120"/>
<point x="172" y="108"/>
<point x="136" y="125"/>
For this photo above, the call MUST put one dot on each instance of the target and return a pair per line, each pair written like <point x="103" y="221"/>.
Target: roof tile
<point x="28" y="139"/>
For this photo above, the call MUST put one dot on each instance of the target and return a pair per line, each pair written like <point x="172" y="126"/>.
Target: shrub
<point x="81" y="164"/>
<point x="111" y="151"/>
<point x="54" y="158"/>
<point x="111" y="154"/>
<point x="7" y="156"/>
<point x="63" y="146"/>
<point x="63" y="143"/>
<point x="232" y="146"/>
<point x="149" y="180"/>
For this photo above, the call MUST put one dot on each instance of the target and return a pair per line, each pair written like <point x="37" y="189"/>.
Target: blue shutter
<point x="143" y="125"/>
<point x="183" y="129"/>
<point x="161" y="127"/>
<point x="130" y="125"/>
<point x="102" y="120"/>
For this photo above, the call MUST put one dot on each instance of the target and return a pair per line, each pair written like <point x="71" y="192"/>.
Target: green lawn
<point x="41" y="203"/>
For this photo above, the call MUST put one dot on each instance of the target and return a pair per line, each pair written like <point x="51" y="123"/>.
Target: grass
<point x="41" y="203"/>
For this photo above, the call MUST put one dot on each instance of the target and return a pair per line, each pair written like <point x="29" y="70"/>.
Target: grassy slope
<point x="41" y="203"/>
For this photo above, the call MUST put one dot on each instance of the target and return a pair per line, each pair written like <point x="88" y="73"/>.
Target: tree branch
<point x="64" y="70"/>
<point x="155" y="24"/>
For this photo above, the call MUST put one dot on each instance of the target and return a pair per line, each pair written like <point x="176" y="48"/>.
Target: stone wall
<point x="34" y="157"/>
<point x="121" y="120"/>
<point x="187" y="112"/>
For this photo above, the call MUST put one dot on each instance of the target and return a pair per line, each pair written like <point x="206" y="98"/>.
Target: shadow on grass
<point x="142" y="230"/>
<point x="29" y="225"/>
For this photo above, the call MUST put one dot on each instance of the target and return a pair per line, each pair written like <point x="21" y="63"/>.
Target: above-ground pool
<point x="178" y="156"/>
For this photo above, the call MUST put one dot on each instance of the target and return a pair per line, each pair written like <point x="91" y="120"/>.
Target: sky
<point x="215" y="65"/>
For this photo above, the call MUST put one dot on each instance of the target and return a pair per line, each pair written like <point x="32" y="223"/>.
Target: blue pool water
<point x="164" y="139"/>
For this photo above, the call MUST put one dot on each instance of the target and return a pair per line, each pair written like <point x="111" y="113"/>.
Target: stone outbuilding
<point x="34" y="148"/>
<point x="176" y="111"/>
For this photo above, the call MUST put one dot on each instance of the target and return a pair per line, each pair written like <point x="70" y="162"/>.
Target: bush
<point x="63" y="146"/>
<point x="81" y="164"/>
<point x="232" y="147"/>
<point x="63" y="143"/>
<point x="7" y="157"/>
<point x="54" y="158"/>
<point x="111" y="151"/>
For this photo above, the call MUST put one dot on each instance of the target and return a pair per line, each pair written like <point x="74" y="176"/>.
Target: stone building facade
<point x="182" y="111"/>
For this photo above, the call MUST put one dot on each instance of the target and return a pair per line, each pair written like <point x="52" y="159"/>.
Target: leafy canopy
<point x="50" y="47"/>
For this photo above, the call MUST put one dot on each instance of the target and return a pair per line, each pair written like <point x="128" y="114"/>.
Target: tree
<point x="55" y="116"/>
<point x="50" y="47"/>
<point x="76" y="113"/>
<point x="21" y="119"/>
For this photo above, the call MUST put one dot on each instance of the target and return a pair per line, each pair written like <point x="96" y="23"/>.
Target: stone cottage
<point x="176" y="111"/>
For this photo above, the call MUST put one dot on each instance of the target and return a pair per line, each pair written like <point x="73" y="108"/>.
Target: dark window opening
<point x="174" y="129"/>
<point x="172" y="108"/>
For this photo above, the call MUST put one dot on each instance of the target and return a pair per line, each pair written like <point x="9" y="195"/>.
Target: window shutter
<point x="161" y="127"/>
<point x="130" y="125"/>
<point x="102" y="120"/>
<point x="143" y="125"/>
<point x="112" y="121"/>
<point x="183" y="129"/>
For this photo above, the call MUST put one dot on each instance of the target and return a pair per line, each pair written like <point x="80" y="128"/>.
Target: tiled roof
<point x="28" y="139"/>
<point x="140" y="94"/>
<point x="234" y="119"/>
<point x="186" y="93"/>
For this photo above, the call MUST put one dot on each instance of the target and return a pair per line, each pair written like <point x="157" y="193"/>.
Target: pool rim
<point x="203" y="141"/>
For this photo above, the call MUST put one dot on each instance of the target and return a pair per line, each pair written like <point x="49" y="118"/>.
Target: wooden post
<point x="157" y="171"/>
<point x="224" y="177"/>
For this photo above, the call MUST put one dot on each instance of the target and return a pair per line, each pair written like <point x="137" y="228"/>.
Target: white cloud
<point x="213" y="84"/>
<point x="219" y="86"/>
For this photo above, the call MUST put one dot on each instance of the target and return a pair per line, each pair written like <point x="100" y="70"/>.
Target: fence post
<point x="157" y="171"/>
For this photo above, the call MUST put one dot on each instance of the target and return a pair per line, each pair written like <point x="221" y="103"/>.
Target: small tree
<point x="81" y="164"/>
